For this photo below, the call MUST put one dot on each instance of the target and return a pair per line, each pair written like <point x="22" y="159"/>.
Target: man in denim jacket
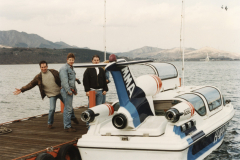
<point x="68" y="77"/>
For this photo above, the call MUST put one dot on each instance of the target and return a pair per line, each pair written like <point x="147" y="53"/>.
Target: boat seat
<point x="152" y="126"/>
<point x="161" y="106"/>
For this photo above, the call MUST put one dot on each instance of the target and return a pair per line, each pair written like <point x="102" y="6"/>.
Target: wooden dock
<point x="32" y="135"/>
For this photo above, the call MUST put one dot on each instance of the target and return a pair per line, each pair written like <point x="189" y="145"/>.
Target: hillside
<point x="35" y="55"/>
<point x="141" y="52"/>
<point x="174" y="54"/>
<point x="14" y="38"/>
<point x="212" y="53"/>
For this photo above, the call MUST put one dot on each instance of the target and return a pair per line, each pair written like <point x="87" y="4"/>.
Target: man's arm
<point x="86" y="80"/>
<point x="29" y="86"/>
<point x="63" y="74"/>
<point x="107" y="76"/>
<point x="75" y="87"/>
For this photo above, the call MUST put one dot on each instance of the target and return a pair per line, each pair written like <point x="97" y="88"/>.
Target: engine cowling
<point x="103" y="110"/>
<point x="179" y="112"/>
<point x="150" y="84"/>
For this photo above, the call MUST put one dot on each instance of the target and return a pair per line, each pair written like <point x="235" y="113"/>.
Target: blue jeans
<point x="99" y="97"/>
<point x="53" y="101"/>
<point x="68" y="112"/>
<point x="104" y="99"/>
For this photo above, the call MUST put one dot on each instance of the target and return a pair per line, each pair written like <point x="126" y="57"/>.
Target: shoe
<point x="71" y="129"/>
<point x="75" y="120"/>
<point x="50" y="126"/>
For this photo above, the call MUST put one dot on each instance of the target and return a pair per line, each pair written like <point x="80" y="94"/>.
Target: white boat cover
<point x="152" y="126"/>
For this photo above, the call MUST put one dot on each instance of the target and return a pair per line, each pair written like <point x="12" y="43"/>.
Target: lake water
<point x="223" y="74"/>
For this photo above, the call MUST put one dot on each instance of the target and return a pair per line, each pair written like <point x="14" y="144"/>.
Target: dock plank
<point x="32" y="135"/>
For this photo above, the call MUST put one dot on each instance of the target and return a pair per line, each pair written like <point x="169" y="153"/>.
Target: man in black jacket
<point x="95" y="79"/>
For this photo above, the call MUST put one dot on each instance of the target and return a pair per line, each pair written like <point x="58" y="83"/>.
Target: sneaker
<point x="50" y="126"/>
<point x="71" y="129"/>
<point x="75" y="120"/>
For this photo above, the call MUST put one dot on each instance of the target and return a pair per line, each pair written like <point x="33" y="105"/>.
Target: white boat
<point x="155" y="118"/>
<point x="207" y="58"/>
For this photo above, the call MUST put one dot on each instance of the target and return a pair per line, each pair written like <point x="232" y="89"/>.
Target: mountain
<point x="174" y="54"/>
<point x="14" y="38"/>
<point x="212" y="53"/>
<point x="141" y="52"/>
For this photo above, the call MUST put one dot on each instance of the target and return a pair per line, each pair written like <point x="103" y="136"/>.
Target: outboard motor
<point x="179" y="112"/>
<point x="99" y="111"/>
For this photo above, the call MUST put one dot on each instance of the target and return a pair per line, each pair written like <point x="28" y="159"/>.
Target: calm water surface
<point x="225" y="75"/>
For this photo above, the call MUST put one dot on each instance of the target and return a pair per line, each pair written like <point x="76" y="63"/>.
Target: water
<point x="223" y="74"/>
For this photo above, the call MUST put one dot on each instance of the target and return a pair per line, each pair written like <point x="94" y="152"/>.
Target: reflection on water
<point x="225" y="75"/>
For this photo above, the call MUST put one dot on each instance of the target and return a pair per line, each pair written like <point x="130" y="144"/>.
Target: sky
<point x="130" y="24"/>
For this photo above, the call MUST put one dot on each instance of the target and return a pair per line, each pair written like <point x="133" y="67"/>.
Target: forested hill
<point x="14" y="38"/>
<point x="35" y="55"/>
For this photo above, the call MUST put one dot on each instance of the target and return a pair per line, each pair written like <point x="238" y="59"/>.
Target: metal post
<point x="104" y="28"/>
<point x="182" y="32"/>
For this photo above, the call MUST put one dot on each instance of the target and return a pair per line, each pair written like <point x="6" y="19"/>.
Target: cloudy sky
<point x="131" y="24"/>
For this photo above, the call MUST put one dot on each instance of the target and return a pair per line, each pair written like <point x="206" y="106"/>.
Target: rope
<point x="4" y="130"/>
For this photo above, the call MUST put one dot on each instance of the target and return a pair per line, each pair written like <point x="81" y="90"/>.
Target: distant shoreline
<point x="154" y="61"/>
<point x="35" y="55"/>
<point x="20" y="56"/>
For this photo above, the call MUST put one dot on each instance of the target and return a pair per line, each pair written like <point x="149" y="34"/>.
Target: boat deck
<point x="32" y="135"/>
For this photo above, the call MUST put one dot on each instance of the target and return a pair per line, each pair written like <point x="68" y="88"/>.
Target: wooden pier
<point x="31" y="136"/>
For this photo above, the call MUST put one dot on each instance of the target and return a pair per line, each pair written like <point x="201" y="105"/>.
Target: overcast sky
<point x="131" y="24"/>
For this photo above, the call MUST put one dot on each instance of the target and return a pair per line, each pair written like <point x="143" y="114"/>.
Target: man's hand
<point x="69" y="93"/>
<point x="74" y="92"/>
<point x="104" y="92"/>
<point x="87" y="94"/>
<point x="107" y="80"/>
<point x="18" y="91"/>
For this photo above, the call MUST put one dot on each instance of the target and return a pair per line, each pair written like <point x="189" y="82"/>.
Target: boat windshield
<point x="212" y="96"/>
<point x="196" y="101"/>
<point x="165" y="70"/>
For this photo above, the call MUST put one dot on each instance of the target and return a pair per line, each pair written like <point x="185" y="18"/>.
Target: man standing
<point x="112" y="58"/>
<point x="95" y="79"/>
<point x="68" y="77"/>
<point x="49" y="84"/>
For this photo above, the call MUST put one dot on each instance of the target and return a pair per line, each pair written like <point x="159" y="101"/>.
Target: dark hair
<point x="70" y="55"/>
<point x="96" y="56"/>
<point x="43" y="62"/>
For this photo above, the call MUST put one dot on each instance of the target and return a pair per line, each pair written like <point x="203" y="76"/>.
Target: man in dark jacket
<point x="49" y="85"/>
<point x="95" y="79"/>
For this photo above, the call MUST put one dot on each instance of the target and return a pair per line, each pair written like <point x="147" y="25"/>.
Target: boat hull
<point x="117" y="154"/>
<point x="198" y="149"/>
<point x="126" y="154"/>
